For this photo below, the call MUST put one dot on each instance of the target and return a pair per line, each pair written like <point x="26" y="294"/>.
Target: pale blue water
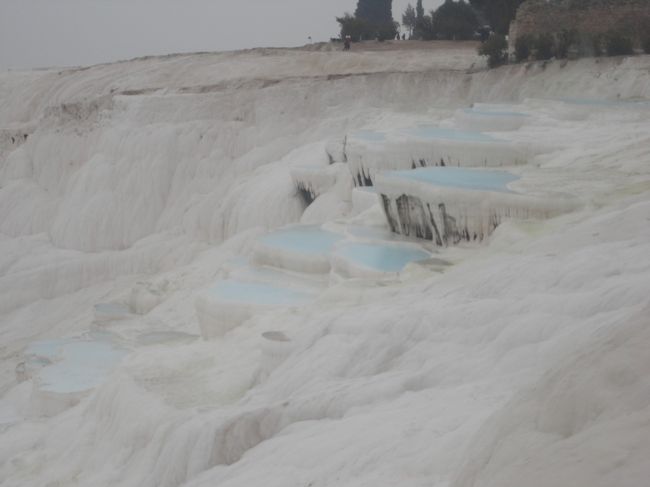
<point x="385" y="258"/>
<point x="47" y="349"/>
<point x="599" y="102"/>
<point x="431" y="132"/>
<point x="369" y="135"/>
<point x="454" y="177"/>
<point x="258" y="293"/>
<point x="493" y="113"/>
<point x="302" y="239"/>
<point x="265" y="274"/>
<point x="78" y="365"/>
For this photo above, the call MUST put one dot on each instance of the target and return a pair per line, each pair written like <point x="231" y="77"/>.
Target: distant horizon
<point x="67" y="33"/>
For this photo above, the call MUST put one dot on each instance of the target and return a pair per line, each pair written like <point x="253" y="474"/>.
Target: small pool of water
<point x="259" y="293"/>
<point x="453" y="177"/>
<point x="493" y="113"/>
<point x="45" y="349"/>
<point x="302" y="239"/>
<point x="381" y="257"/>
<point x="75" y="365"/>
<point x="275" y="336"/>
<point x="599" y="102"/>
<point x="431" y="132"/>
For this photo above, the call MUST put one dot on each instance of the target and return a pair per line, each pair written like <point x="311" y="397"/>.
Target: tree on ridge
<point x="409" y="19"/>
<point x="373" y="19"/>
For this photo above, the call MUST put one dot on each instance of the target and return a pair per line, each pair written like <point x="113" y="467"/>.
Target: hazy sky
<point x="36" y="33"/>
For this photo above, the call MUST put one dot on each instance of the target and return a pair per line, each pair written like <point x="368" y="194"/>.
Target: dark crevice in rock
<point x="305" y="194"/>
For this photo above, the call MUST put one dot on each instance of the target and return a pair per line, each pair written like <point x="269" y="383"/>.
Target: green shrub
<point x="564" y="41"/>
<point x="455" y="21"/>
<point x="597" y="42"/>
<point x="351" y="26"/>
<point x="544" y="47"/>
<point x="359" y="29"/>
<point x="617" y="44"/>
<point x="523" y="46"/>
<point x="496" y="50"/>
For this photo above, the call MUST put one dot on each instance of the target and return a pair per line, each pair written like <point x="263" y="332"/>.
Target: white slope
<point x="142" y="182"/>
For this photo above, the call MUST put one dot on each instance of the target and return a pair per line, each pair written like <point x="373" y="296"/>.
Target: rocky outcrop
<point x="585" y="17"/>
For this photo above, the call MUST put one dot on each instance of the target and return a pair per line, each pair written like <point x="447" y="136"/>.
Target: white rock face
<point x="519" y="361"/>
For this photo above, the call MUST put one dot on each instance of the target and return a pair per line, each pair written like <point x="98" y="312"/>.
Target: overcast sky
<point x="38" y="33"/>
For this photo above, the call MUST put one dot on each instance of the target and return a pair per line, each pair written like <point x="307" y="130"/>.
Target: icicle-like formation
<point x="429" y="147"/>
<point x="313" y="180"/>
<point x="335" y="150"/>
<point x="11" y="138"/>
<point x="468" y="212"/>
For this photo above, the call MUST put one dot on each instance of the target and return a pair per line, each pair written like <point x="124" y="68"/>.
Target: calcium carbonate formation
<point x="310" y="267"/>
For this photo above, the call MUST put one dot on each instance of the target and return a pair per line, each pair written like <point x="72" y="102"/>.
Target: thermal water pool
<point x="492" y="113"/>
<point x="432" y="132"/>
<point x="73" y="365"/>
<point x="257" y="293"/>
<point x="461" y="178"/>
<point x="303" y="239"/>
<point x="380" y="257"/>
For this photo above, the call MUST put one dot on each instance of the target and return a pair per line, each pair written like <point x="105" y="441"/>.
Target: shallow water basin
<point x="257" y="293"/>
<point x="302" y="239"/>
<point x="431" y="132"/>
<point x="381" y="257"/>
<point x="74" y="365"/>
<point x="493" y="113"/>
<point x="452" y="177"/>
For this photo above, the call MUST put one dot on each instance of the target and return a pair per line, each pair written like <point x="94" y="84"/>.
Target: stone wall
<point x="585" y="17"/>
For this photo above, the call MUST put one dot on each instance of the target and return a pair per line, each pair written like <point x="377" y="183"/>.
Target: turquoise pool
<point x="431" y="132"/>
<point x="302" y="239"/>
<point x="75" y="365"/>
<point x="381" y="257"/>
<point x="453" y="177"/>
<point x="258" y="293"/>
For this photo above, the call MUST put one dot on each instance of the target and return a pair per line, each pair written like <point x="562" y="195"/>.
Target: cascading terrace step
<point x="371" y="152"/>
<point x="293" y="265"/>
<point x="453" y="205"/>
